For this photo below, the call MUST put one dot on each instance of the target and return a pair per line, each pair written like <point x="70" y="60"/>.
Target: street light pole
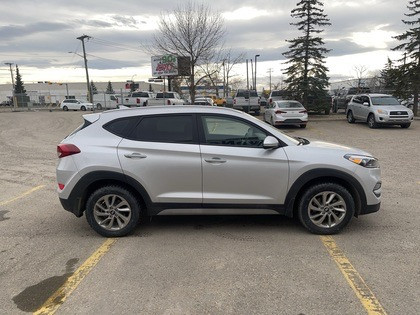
<point x="13" y="83"/>
<point x="247" y="77"/>
<point x="82" y="39"/>
<point x="269" y="71"/>
<point x="255" y="80"/>
<point x="224" y="79"/>
<point x="252" y="75"/>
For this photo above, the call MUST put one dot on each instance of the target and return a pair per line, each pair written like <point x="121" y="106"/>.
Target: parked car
<point x="378" y="109"/>
<point x="281" y="113"/>
<point x="204" y="101"/>
<point x="247" y="100"/>
<point x="135" y="99"/>
<point x="73" y="104"/>
<point x="341" y="100"/>
<point x="277" y="95"/>
<point x="219" y="101"/>
<point x="165" y="98"/>
<point x="105" y="101"/>
<point x="122" y="165"/>
<point x="229" y="102"/>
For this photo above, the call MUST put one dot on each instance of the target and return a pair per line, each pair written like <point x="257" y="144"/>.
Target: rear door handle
<point x="135" y="156"/>
<point x="215" y="160"/>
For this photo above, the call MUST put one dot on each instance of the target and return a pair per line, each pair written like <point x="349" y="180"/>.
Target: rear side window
<point x="172" y="129"/>
<point x="82" y="126"/>
<point x="122" y="127"/>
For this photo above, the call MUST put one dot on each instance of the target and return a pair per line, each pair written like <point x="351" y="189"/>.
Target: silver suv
<point x="122" y="165"/>
<point x="378" y="109"/>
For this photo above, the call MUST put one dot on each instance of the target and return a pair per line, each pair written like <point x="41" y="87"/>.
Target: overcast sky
<point x="39" y="34"/>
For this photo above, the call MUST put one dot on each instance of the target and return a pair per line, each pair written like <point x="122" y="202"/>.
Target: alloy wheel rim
<point x="112" y="212"/>
<point x="327" y="209"/>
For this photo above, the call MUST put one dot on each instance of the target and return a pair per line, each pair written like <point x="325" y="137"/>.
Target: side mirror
<point x="270" y="143"/>
<point x="366" y="104"/>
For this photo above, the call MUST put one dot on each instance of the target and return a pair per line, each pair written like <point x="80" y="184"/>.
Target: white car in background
<point x="73" y="104"/>
<point x="204" y="101"/>
<point x="287" y="112"/>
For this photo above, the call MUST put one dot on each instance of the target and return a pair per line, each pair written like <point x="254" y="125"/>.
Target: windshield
<point x="293" y="104"/>
<point x="246" y="94"/>
<point x="385" y="101"/>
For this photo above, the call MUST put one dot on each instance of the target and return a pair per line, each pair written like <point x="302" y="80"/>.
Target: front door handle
<point x="135" y="156"/>
<point x="215" y="160"/>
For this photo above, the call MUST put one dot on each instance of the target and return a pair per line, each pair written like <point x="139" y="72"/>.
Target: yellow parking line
<point x="356" y="282"/>
<point x="57" y="299"/>
<point x="2" y="203"/>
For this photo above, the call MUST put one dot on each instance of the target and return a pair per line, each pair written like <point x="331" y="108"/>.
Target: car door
<point x="364" y="109"/>
<point x="356" y="104"/>
<point x="163" y="155"/>
<point x="236" y="168"/>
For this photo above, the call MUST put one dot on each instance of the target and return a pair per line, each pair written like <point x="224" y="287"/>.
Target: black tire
<point x="257" y="112"/>
<point x="99" y="106"/>
<point x="303" y="126"/>
<point x="327" y="111"/>
<point x="245" y="109"/>
<point x="405" y="126"/>
<point x="83" y="108"/>
<point x="121" y="192"/>
<point x="371" y="121"/>
<point x="310" y="193"/>
<point x="65" y="108"/>
<point x="144" y="103"/>
<point x="335" y="107"/>
<point x="350" y="117"/>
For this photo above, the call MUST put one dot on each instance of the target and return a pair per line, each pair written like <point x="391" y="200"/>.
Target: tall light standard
<point x="13" y="83"/>
<point x="255" y="80"/>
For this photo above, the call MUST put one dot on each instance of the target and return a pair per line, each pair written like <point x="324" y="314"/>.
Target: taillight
<point x="234" y="101"/>
<point x="270" y="100"/>
<point x="168" y="102"/>
<point x="280" y="112"/>
<point x="66" y="150"/>
<point x="60" y="186"/>
<point x="138" y="101"/>
<point x="303" y="111"/>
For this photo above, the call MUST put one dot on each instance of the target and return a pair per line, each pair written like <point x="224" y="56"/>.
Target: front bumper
<point x="386" y="119"/>
<point x="370" y="209"/>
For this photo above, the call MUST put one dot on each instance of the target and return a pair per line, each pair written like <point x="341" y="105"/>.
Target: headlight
<point x="362" y="160"/>
<point x="381" y="111"/>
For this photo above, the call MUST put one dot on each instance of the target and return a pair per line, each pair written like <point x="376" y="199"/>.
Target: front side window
<point x="171" y="128"/>
<point x="229" y="131"/>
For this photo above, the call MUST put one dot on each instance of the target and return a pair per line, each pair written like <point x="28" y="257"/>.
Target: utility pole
<point x="13" y="84"/>
<point x="252" y="75"/>
<point x="269" y="71"/>
<point x="247" y="78"/>
<point x="224" y="78"/>
<point x="255" y="80"/>
<point x="82" y="39"/>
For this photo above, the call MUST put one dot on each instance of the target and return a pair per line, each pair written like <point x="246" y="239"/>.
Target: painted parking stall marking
<point x="57" y="299"/>
<point x="356" y="282"/>
<point x="3" y="203"/>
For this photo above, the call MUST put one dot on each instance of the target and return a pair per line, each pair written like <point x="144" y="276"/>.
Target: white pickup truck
<point x="165" y="98"/>
<point x="135" y="99"/>
<point x="247" y="100"/>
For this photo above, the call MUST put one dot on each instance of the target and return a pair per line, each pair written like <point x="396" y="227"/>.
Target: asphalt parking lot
<point x="205" y="265"/>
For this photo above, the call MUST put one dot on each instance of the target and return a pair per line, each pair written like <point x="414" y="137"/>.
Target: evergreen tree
<point x="411" y="46"/>
<point x="109" y="88"/>
<point x="306" y="74"/>
<point x="19" y="88"/>
<point x="393" y="82"/>
<point x="93" y="88"/>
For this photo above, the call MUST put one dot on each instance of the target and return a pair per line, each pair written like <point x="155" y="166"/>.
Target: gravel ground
<point x="196" y="265"/>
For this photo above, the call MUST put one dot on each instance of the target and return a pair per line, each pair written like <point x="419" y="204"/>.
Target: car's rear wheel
<point x="405" y="125"/>
<point x="371" y="121"/>
<point x="83" y="108"/>
<point x="65" y="108"/>
<point x="326" y="208"/>
<point x="303" y="126"/>
<point x="112" y="211"/>
<point x="350" y="117"/>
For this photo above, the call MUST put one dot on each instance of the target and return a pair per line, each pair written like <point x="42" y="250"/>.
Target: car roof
<point x="374" y="95"/>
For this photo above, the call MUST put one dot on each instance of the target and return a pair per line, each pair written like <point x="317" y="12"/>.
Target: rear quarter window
<point x="121" y="127"/>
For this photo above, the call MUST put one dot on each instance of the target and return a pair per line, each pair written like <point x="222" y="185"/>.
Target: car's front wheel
<point x="326" y="208"/>
<point x="112" y="211"/>
<point x="83" y="108"/>
<point x="65" y="108"/>
<point x="350" y="117"/>
<point x="405" y="125"/>
<point x="99" y="106"/>
<point x="372" y="122"/>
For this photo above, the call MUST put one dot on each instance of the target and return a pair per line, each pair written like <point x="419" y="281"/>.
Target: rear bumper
<point x="370" y="209"/>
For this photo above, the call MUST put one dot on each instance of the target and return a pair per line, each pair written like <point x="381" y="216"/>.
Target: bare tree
<point x="191" y="30"/>
<point x="360" y="74"/>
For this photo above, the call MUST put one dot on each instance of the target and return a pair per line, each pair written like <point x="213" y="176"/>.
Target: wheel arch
<point x="317" y="176"/>
<point x="94" y="180"/>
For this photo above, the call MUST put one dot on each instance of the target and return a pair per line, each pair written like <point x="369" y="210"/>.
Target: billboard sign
<point x="165" y="65"/>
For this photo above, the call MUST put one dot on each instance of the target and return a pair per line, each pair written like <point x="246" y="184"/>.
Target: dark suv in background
<point x="344" y="97"/>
